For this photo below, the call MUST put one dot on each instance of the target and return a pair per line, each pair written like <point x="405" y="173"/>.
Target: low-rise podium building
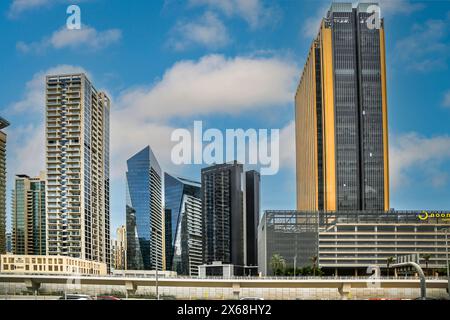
<point x="47" y="265"/>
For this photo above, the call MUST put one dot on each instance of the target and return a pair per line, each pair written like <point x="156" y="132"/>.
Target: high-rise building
<point x="341" y="115"/>
<point x="144" y="210"/>
<point x="223" y="214"/>
<point x="77" y="146"/>
<point x="28" y="216"/>
<point x="120" y="249"/>
<point x="183" y="224"/>
<point x="252" y="207"/>
<point x="8" y="242"/>
<point x="3" y="124"/>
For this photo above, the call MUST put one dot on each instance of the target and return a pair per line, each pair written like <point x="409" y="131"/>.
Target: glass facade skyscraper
<point x="28" y="216"/>
<point x="144" y="210"/>
<point x="223" y="214"/>
<point x="341" y="115"/>
<point x="3" y="124"/>
<point x="252" y="207"/>
<point x="183" y="224"/>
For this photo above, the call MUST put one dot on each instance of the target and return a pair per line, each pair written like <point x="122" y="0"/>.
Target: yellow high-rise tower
<point x="341" y="115"/>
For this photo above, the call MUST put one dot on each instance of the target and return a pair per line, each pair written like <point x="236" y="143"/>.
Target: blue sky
<point x="231" y="64"/>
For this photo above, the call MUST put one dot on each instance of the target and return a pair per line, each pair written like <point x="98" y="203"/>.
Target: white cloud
<point x="414" y="157"/>
<point x="18" y="7"/>
<point x="446" y="101"/>
<point x="254" y="12"/>
<point x="34" y="96"/>
<point x="129" y="135"/>
<point x="311" y="25"/>
<point x="427" y="47"/>
<point x="26" y="145"/>
<point x="86" y="37"/>
<point x="214" y="85"/>
<point x="207" y="31"/>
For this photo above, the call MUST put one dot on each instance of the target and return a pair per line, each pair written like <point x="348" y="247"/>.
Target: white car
<point x="76" y="297"/>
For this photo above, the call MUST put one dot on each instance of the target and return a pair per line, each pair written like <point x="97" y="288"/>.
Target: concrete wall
<point x="11" y="289"/>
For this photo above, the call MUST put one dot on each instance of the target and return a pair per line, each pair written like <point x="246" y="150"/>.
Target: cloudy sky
<point x="230" y="64"/>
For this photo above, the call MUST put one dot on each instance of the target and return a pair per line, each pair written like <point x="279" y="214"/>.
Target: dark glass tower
<point x="341" y="115"/>
<point x="252" y="205"/>
<point x="3" y="124"/>
<point x="144" y="211"/>
<point x="222" y="200"/>
<point x="183" y="224"/>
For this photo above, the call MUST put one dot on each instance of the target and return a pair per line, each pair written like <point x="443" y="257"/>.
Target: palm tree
<point x="389" y="261"/>
<point x="277" y="263"/>
<point x="427" y="258"/>
<point x="314" y="264"/>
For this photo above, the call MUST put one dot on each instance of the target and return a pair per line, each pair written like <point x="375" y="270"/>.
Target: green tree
<point x="389" y="261"/>
<point x="278" y="264"/>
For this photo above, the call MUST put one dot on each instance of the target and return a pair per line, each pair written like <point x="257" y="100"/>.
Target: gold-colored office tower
<point x="341" y="115"/>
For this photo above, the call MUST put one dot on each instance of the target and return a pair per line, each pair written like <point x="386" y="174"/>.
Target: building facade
<point x="341" y="115"/>
<point x="289" y="234"/>
<point x="8" y="242"/>
<point x="183" y="224"/>
<point x="252" y="207"/>
<point x="50" y="265"/>
<point x="144" y="209"/>
<point x="223" y="214"/>
<point x="29" y="216"/>
<point x="348" y="242"/>
<point x="120" y="249"/>
<point x="77" y="160"/>
<point x="3" y="124"/>
<point x="352" y="241"/>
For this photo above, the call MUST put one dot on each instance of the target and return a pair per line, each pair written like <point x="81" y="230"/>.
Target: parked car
<point x="76" y="297"/>
<point x="107" y="298"/>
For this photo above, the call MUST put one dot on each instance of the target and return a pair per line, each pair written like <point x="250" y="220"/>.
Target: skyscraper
<point x="77" y="144"/>
<point x="28" y="216"/>
<point x="183" y="224"/>
<point x="120" y="249"/>
<point x="8" y="242"/>
<point x="144" y="209"/>
<point x="3" y="124"/>
<point x="252" y="205"/>
<point x="223" y="216"/>
<point x="341" y="115"/>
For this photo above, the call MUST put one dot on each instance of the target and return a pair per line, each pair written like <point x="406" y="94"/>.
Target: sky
<point x="230" y="64"/>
